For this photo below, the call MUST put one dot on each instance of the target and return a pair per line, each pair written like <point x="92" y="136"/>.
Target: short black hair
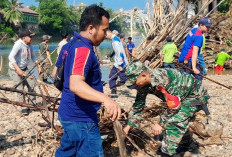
<point x="129" y="38"/>
<point x="169" y="39"/>
<point x="64" y="35"/>
<point x="92" y="15"/>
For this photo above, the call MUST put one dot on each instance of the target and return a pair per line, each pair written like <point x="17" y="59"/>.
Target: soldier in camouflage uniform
<point x="45" y="59"/>
<point x="183" y="94"/>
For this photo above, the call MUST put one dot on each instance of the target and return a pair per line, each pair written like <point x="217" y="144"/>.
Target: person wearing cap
<point x="167" y="53"/>
<point x="130" y="48"/>
<point x="45" y="58"/>
<point x="220" y="61"/>
<point x="184" y="96"/>
<point x="120" y="62"/>
<point x="192" y="47"/>
<point x="19" y="60"/>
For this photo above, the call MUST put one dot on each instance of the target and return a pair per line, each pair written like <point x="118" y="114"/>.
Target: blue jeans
<point x="80" y="139"/>
<point x="202" y="63"/>
<point x="169" y="65"/>
<point x="189" y="72"/>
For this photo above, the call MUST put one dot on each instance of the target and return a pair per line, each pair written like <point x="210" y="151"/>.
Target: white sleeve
<point x="14" y="52"/>
<point x="117" y="50"/>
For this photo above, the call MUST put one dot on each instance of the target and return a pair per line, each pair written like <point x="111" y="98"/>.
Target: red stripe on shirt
<point x="190" y="53"/>
<point x="198" y="32"/>
<point x="81" y="57"/>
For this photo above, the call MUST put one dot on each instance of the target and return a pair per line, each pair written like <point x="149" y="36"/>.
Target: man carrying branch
<point x="184" y="96"/>
<point x="192" y="47"/>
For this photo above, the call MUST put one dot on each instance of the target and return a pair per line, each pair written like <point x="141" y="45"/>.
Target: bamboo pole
<point x="183" y="66"/>
<point x="120" y="138"/>
<point x="131" y="24"/>
<point x="1" y="64"/>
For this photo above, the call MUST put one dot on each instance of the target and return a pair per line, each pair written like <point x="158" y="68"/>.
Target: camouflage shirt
<point x="183" y="85"/>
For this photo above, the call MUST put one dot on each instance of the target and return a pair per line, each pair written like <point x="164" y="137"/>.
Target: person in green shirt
<point x="220" y="61"/>
<point x="44" y="58"/>
<point x="167" y="53"/>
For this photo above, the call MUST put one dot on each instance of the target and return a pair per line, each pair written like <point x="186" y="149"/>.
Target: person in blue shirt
<point x="192" y="47"/>
<point x="82" y="94"/>
<point x="120" y="63"/>
<point x="130" y="48"/>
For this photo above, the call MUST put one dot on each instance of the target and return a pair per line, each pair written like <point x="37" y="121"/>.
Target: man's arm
<point x="136" y="112"/>
<point x="12" y="60"/>
<point x="194" y="59"/>
<point x="88" y="93"/>
<point x="49" y="57"/>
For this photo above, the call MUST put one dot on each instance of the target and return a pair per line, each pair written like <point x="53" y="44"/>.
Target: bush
<point x="8" y="30"/>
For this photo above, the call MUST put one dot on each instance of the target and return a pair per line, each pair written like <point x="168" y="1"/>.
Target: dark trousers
<point x="114" y="74"/>
<point x="189" y="72"/>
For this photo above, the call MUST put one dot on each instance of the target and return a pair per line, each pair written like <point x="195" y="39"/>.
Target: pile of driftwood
<point x="168" y="21"/>
<point x="218" y="38"/>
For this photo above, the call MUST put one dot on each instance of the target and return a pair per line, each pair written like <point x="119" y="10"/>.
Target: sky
<point x="114" y="4"/>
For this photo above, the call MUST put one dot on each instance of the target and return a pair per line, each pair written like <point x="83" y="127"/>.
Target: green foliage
<point x="10" y="12"/>
<point x="8" y="30"/>
<point x="117" y="23"/>
<point x="56" y="16"/>
<point x="225" y="6"/>
<point x="34" y="8"/>
<point x="228" y="42"/>
<point x="3" y="3"/>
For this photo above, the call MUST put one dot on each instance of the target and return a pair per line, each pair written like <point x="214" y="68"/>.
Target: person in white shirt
<point x="120" y="62"/>
<point x="19" y="59"/>
<point x="62" y="42"/>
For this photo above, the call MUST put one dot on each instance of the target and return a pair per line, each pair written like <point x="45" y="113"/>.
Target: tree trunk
<point x="214" y="5"/>
<point x="206" y="10"/>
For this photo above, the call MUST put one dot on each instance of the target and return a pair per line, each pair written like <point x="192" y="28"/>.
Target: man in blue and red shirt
<point x="192" y="47"/>
<point x="82" y="93"/>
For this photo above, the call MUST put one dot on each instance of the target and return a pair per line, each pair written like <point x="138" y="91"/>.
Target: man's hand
<point x="40" y="70"/>
<point x="20" y="73"/>
<point x="120" y="68"/>
<point x="157" y="129"/>
<point x="196" y="71"/>
<point x="112" y="108"/>
<point x="127" y="129"/>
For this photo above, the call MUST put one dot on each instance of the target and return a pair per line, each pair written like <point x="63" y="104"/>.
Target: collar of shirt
<point x="87" y="42"/>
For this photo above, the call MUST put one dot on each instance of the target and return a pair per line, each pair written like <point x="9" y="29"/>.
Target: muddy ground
<point x="21" y="136"/>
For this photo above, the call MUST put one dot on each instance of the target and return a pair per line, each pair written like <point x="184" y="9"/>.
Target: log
<point x="27" y="93"/>
<point x="120" y="139"/>
<point x="23" y="104"/>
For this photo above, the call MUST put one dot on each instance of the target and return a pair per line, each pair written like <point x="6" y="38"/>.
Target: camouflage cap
<point x="133" y="71"/>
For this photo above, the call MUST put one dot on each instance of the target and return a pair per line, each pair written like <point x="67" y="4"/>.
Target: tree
<point x="10" y="12"/>
<point x="225" y="6"/>
<point x="56" y="16"/>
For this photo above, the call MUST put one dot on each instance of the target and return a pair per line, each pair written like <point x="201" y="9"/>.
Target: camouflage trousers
<point x="177" y="125"/>
<point x="46" y="69"/>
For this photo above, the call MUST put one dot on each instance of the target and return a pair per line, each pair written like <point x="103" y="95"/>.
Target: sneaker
<point x="46" y="81"/>
<point x="113" y="91"/>
<point x="120" y="83"/>
<point x="25" y="111"/>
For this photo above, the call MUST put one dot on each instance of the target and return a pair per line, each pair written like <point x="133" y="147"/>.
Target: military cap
<point x="133" y="71"/>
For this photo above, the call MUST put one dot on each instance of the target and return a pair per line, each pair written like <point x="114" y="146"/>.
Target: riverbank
<point x="22" y="136"/>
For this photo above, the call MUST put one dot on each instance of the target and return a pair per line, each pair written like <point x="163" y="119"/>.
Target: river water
<point x="105" y="49"/>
